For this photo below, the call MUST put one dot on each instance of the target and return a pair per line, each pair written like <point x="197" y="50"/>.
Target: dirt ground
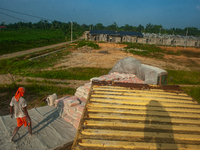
<point x="115" y="53"/>
<point x="178" y="48"/>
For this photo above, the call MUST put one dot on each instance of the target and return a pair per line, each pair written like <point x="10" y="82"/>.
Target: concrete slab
<point x="50" y="131"/>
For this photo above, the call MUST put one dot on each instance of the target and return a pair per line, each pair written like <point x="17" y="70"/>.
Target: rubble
<point x="85" y="49"/>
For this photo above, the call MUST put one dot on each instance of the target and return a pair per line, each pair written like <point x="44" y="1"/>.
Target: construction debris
<point x="85" y="49"/>
<point x="51" y="99"/>
<point x="134" y="49"/>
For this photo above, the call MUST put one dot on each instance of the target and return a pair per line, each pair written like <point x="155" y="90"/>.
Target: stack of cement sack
<point x="71" y="109"/>
<point x="83" y="91"/>
<point x="119" y="77"/>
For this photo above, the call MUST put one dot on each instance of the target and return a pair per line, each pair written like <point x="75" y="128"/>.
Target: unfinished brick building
<point x="145" y="38"/>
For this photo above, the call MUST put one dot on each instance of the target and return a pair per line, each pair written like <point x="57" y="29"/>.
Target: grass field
<point x="184" y="77"/>
<point x="19" y="40"/>
<point x="193" y="92"/>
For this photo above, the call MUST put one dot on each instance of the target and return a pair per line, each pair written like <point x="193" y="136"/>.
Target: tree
<point x="153" y="28"/>
<point x="112" y="27"/>
<point x="115" y="24"/>
<point x="3" y="23"/>
<point x="192" y="31"/>
<point x="66" y="29"/>
<point x="156" y="28"/>
<point x="127" y="27"/>
<point x="99" y="26"/>
<point x="148" y="27"/>
<point x="85" y="27"/>
<point x="140" y="28"/>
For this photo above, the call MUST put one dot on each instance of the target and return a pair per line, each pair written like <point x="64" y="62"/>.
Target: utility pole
<point x="186" y="38"/>
<point x="71" y="31"/>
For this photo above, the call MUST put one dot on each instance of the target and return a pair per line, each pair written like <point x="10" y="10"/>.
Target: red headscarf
<point x="19" y="93"/>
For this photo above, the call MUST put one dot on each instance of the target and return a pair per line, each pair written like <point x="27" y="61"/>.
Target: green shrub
<point x="90" y="44"/>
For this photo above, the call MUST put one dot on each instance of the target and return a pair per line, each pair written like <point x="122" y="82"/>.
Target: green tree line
<point x="66" y="27"/>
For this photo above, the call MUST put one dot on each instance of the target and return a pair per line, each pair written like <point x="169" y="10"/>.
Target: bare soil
<point x="115" y="53"/>
<point x="178" y="48"/>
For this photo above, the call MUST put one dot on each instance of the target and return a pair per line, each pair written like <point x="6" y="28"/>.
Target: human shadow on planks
<point x="154" y="129"/>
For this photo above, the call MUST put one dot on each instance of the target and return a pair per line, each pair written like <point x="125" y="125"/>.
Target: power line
<point x="25" y="14"/>
<point x="14" y="17"/>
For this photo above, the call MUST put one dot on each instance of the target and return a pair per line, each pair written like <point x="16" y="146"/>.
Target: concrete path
<point x="50" y="131"/>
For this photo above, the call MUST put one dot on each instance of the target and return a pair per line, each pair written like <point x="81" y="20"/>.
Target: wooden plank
<point x="140" y="118"/>
<point x="142" y="112"/>
<point x="135" y="145"/>
<point x="120" y="133"/>
<point x="123" y="97"/>
<point x="143" y="107"/>
<point x="123" y="89"/>
<point x="143" y="94"/>
<point x="119" y="124"/>
<point x="145" y="102"/>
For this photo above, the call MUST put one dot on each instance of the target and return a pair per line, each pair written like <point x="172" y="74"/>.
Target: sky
<point x="168" y="13"/>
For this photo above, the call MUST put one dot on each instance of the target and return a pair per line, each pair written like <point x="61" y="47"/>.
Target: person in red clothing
<point x="18" y="107"/>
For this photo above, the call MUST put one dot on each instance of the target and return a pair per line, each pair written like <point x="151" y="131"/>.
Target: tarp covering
<point x="130" y="65"/>
<point x="50" y="129"/>
<point x="151" y="74"/>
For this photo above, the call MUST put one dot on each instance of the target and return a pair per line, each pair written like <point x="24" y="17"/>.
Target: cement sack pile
<point x="83" y="91"/>
<point x="71" y="109"/>
<point x="119" y="77"/>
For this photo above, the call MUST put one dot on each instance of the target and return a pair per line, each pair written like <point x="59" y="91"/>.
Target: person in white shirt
<point x="18" y="107"/>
